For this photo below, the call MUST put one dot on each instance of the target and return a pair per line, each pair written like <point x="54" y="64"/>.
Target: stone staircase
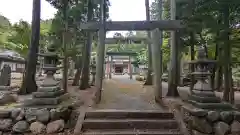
<point x="121" y="122"/>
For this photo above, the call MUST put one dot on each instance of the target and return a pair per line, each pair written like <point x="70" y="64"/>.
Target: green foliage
<point x="205" y="19"/>
<point x="16" y="37"/>
<point x="76" y="12"/>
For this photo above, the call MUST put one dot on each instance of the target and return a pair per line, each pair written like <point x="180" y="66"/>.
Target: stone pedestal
<point x="49" y="93"/>
<point x="202" y="94"/>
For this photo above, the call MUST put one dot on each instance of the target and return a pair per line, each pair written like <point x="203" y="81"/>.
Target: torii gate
<point x="154" y="26"/>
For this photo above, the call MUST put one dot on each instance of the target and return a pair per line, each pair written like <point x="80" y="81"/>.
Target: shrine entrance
<point x="120" y="63"/>
<point x="118" y="68"/>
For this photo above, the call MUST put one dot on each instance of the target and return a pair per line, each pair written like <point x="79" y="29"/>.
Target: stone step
<point x="132" y="132"/>
<point x="129" y="124"/>
<point x="133" y="114"/>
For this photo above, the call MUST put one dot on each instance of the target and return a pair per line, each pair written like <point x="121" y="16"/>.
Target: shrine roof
<point x="121" y="53"/>
<point x="11" y="59"/>
<point x="11" y="56"/>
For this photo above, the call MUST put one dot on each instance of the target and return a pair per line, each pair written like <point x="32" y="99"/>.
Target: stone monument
<point x="49" y="92"/>
<point x="6" y="95"/>
<point x="5" y="77"/>
<point x="203" y="95"/>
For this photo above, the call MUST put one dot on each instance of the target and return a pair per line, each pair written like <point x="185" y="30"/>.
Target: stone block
<point x="213" y="116"/>
<point x="6" y="97"/>
<point x="42" y="101"/>
<point x="60" y="113"/>
<point x="48" y="94"/>
<point x="202" y="125"/>
<point x="237" y="115"/>
<point x="202" y="85"/>
<point x="49" y="89"/>
<point x="205" y="99"/>
<point x="227" y="116"/>
<point x="64" y="97"/>
<point x="6" y="124"/>
<point x="50" y="82"/>
<point x="194" y="111"/>
<point x="21" y="127"/>
<point x="37" y="128"/>
<point x="5" y="113"/>
<point x="55" y="126"/>
<point x="5" y="88"/>
<point x="15" y="113"/>
<point x="199" y="133"/>
<point x="203" y="93"/>
<point x="46" y="101"/>
<point x="221" y="128"/>
<point x="43" y="115"/>
<point x="235" y="127"/>
<point x="212" y="106"/>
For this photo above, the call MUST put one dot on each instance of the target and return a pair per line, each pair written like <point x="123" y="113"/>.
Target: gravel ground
<point x="122" y="93"/>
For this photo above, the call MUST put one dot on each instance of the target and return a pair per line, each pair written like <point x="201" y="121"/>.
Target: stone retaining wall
<point x="35" y="120"/>
<point x="204" y="122"/>
<point x="197" y="121"/>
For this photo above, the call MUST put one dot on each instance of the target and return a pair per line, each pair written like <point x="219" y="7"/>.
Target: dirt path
<point x="126" y="94"/>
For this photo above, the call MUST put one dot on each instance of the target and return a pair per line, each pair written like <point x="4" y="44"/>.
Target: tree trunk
<point x="71" y="68"/>
<point x="77" y="77"/>
<point x="192" y="53"/>
<point x="64" y="44"/>
<point x="87" y="55"/>
<point x="205" y="49"/>
<point x="231" y="95"/>
<point x="219" y="72"/>
<point x="100" y="52"/>
<point x="227" y="55"/>
<point x="215" y="66"/>
<point x="29" y="83"/>
<point x="192" y="50"/>
<point x="78" y="73"/>
<point x="174" y="65"/>
<point x="219" y="78"/>
<point x="149" y="79"/>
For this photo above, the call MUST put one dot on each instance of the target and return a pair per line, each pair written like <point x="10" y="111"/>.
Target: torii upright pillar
<point x="110" y="67"/>
<point x="157" y="57"/>
<point x="174" y="65"/>
<point x="100" y="51"/>
<point x="130" y="67"/>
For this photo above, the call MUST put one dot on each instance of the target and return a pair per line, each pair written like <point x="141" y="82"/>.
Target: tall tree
<point x="29" y="83"/>
<point x="77" y="13"/>
<point x="87" y="51"/>
<point x="149" y="72"/>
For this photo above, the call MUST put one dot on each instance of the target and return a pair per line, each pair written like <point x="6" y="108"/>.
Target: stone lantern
<point x="203" y="95"/>
<point x="51" y="60"/>
<point x="49" y="92"/>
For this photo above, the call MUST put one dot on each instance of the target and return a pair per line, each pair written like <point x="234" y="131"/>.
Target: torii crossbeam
<point x="134" y="25"/>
